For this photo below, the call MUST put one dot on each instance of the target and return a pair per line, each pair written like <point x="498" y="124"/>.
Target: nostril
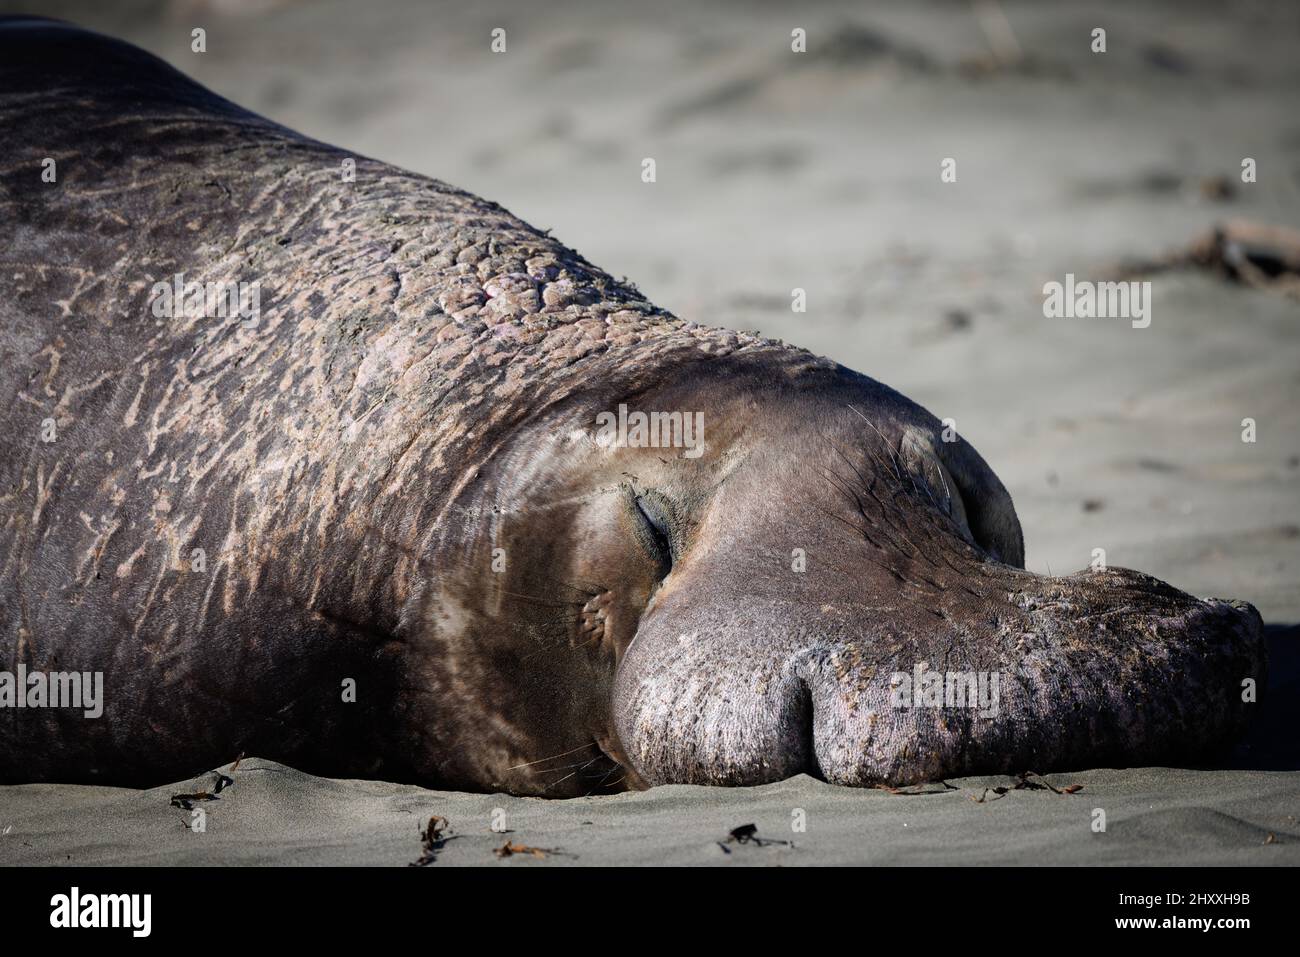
<point x="807" y="717"/>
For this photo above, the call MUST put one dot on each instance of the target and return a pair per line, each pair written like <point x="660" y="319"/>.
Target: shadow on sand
<point x="1273" y="742"/>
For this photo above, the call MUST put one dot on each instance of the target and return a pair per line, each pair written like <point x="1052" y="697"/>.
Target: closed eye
<point x="657" y="533"/>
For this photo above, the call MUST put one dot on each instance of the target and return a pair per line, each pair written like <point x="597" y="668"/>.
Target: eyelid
<point x="654" y="512"/>
<point x="654" y="516"/>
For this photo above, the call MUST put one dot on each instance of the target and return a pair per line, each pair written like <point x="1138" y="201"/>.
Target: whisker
<point x="569" y="775"/>
<point x="551" y="758"/>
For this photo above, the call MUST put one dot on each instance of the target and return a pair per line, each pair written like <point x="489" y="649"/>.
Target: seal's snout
<point x="1110" y="668"/>
<point x="906" y="642"/>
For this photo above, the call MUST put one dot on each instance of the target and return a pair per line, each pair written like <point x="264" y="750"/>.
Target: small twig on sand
<point x="433" y="839"/>
<point x="510" y="849"/>
<point x="748" y="834"/>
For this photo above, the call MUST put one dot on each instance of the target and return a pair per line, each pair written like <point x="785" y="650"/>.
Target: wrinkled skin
<point x="396" y="477"/>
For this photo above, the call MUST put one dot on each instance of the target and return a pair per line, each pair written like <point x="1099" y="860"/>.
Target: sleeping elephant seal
<point x="312" y="458"/>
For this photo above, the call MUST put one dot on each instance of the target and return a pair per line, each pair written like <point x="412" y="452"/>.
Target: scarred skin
<point x="396" y="478"/>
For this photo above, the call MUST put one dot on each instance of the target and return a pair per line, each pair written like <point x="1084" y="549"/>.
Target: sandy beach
<point x="821" y="171"/>
<point x="276" y="815"/>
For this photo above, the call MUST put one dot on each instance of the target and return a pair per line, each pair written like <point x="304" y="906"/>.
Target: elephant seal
<point x="310" y="457"/>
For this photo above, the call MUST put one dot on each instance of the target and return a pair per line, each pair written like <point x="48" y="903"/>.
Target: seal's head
<point x="764" y="568"/>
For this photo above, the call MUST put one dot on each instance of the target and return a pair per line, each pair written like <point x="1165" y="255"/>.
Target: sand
<point x="276" y="815"/>
<point x="822" y="173"/>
